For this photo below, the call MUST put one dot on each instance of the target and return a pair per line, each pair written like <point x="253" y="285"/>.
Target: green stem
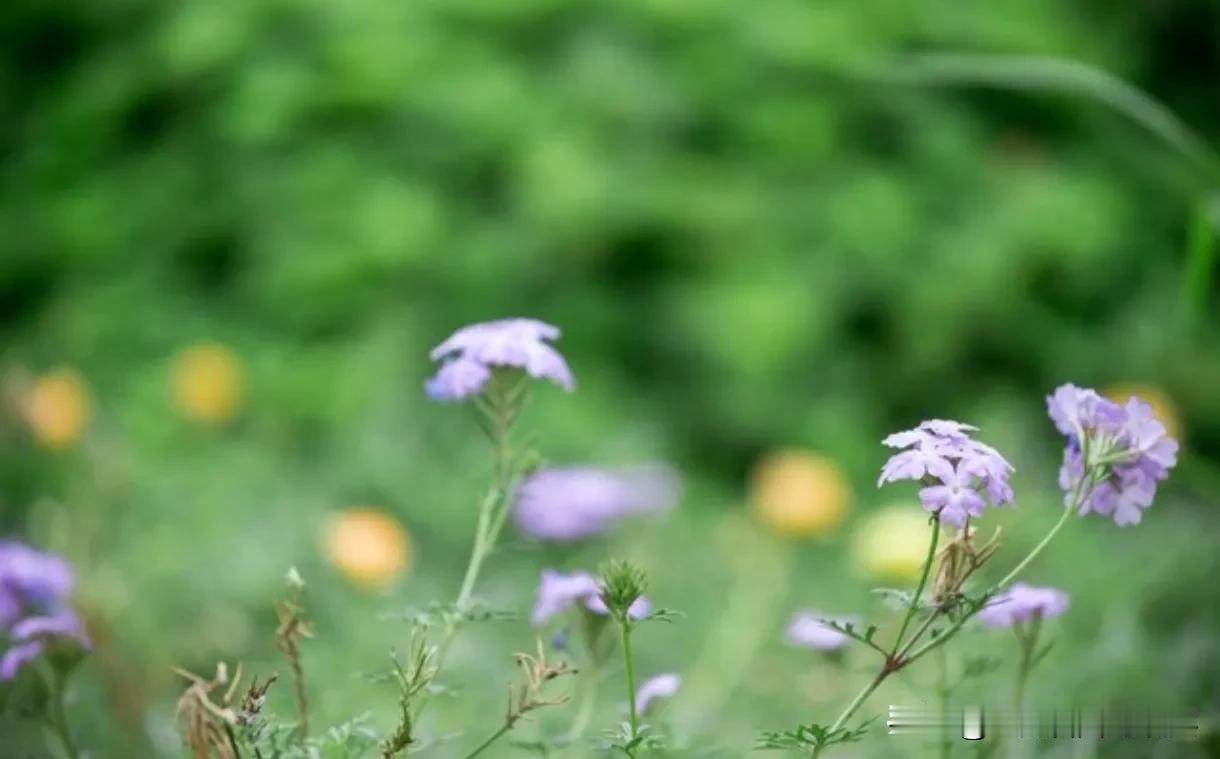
<point x="490" y="740"/>
<point x="1063" y="518"/>
<point x="59" y="720"/>
<point x="492" y="508"/>
<point x="501" y="407"/>
<point x="904" y="659"/>
<point x="859" y="699"/>
<point x="932" y="644"/>
<point x="923" y="581"/>
<point x="629" y="665"/>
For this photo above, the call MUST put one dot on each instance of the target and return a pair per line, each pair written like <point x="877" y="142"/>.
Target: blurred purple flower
<point x="62" y="624"/>
<point x="1023" y="602"/>
<point x="34" y="611"/>
<point x="558" y="592"/>
<point x="658" y="686"/>
<point x="1115" y="454"/>
<point x="18" y="656"/>
<point x="566" y="504"/>
<point x="808" y="630"/>
<point x="639" y="608"/>
<point x="456" y="379"/>
<point x="469" y="355"/>
<point x="30" y="580"/>
<point x="961" y="474"/>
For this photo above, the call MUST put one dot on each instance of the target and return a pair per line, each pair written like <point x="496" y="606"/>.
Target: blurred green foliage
<point x="752" y="230"/>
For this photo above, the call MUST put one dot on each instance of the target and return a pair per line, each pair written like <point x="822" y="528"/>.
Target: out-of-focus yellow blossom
<point x="892" y="543"/>
<point x="208" y="385"/>
<point x="1162" y="405"/>
<point x="57" y="408"/>
<point x="368" y="546"/>
<point x="799" y="494"/>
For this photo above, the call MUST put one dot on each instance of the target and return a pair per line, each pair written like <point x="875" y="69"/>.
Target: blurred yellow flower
<point x="57" y="408"/>
<point x="892" y="543"/>
<point x="207" y="383"/>
<point x="368" y="546"/>
<point x="1162" y="405"/>
<point x="799" y="494"/>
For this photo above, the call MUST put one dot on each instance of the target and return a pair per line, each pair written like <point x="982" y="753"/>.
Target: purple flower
<point x="566" y="504"/>
<point x="34" y="611"/>
<point x="468" y="356"/>
<point x="63" y="624"/>
<point x="456" y="379"/>
<point x="1023" y="602"/>
<point x="639" y="608"/>
<point x="31" y="580"/>
<point x="31" y="637"/>
<point x="961" y="475"/>
<point x="809" y="630"/>
<point x="1115" y="455"/>
<point x="658" y="686"/>
<point x="17" y="657"/>
<point x="559" y="592"/>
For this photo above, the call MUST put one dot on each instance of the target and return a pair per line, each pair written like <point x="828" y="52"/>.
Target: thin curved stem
<point x="1060" y="75"/>
<point x="923" y="581"/>
<point x="490" y="740"/>
<point x="904" y="659"/>
<point x="859" y="699"/>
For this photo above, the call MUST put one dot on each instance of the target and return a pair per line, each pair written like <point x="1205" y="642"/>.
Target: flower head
<point x="656" y="687"/>
<point x="1022" y="603"/>
<point x="34" y="611"/>
<point x="468" y="356"/>
<point x="1115" y="456"/>
<point x="566" y="504"/>
<point x="962" y="475"/>
<point x="559" y="592"/>
<point x="809" y="630"/>
<point x="31" y="581"/>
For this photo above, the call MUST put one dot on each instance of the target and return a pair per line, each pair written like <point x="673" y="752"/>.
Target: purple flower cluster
<point x="961" y="474"/>
<point x="1115" y="456"/>
<point x="558" y="592"/>
<point x="34" y="611"/>
<point x="808" y="630"/>
<point x="657" y="687"/>
<point x="567" y="504"/>
<point x="469" y="356"/>
<point x="1021" y="603"/>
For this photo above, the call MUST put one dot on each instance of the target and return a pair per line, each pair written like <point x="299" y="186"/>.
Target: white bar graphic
<point x="972" y="723"/>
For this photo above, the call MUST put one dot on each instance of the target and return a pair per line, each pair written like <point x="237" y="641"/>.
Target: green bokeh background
<point x="756" y="230"/>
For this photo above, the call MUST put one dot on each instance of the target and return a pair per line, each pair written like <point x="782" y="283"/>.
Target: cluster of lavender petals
<point x="1022" y="603"/>
<point x="809" y="630"/>
<point x="657" y="687"/>
<point x="469" y="355"/>
<point x="34" y="611"/>
<point x="574" y="503"/>
<point x="1126" y="442"/>
<point x="961" y="474"/>
<point x="558" y="592"/>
